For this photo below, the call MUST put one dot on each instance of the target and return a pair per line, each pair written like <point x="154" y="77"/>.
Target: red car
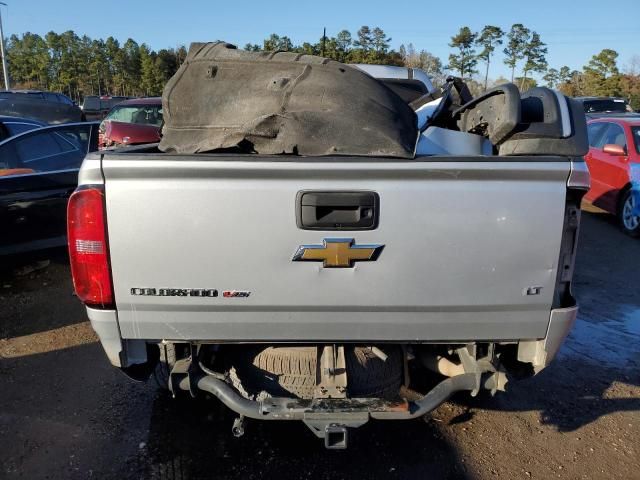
<point x="132" y="122"/>
<point x="614" y="164"/>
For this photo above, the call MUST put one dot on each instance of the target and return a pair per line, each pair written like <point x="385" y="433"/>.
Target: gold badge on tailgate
<point x="337" y="253"/>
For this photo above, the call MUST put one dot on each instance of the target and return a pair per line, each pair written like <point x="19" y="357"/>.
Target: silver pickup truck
<point x="333" y="288"/>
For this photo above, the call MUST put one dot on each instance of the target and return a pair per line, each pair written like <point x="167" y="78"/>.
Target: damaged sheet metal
<point x="281" y="103"/>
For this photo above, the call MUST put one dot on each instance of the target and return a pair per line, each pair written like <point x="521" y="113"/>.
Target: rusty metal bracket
<point x="487" y="373"/>
<point x="332" y="373"/>
<point x="180" y="376"/>
<point x="184" y="372"/>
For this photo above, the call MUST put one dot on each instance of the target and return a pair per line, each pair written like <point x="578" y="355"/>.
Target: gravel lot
<point x="66" y="413"/>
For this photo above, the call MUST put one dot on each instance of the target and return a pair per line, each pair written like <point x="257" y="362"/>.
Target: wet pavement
<point x="66" y="413"/>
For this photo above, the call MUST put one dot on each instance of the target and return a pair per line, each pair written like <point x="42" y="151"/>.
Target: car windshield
<point x="101" y="103"/>
<point x="605" y="105"/>
<point x="91" y="103"/>
<point x="141" y="114"/>
<point x="636" y="137"/>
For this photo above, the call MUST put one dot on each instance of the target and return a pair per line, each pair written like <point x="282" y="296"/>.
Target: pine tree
<point x="601" y="74"/>
<point x="535" y="60"/>
<point x="365" y="39"/>
<point x="148" y="73"/>
<point x="380" y="43"/>
<point x="490" y="37"/>
<point x="552" y="77"/>
<point x="99" y="67"/>
<point x="517" y="38"/>
<point x="344" y="41"/>
<point x="465" y="60"/>
<point x="277" y="43"/>
<point x="564" y="75"/>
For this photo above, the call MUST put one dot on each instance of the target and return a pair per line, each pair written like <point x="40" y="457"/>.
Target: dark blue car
<point x="38" y="173"/>
<point x="10" y="126"/>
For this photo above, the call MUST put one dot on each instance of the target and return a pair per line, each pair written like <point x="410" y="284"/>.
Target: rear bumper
<point x="541" y="352"/>
<point x="123" y="353"/>
<point x="341" y="324"/>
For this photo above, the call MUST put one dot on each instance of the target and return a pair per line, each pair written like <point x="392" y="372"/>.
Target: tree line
<point x="523" y="48"/>
<point x="80" y="66"/>
<point x="369" y="45"/>
<point x="601" y="76"/>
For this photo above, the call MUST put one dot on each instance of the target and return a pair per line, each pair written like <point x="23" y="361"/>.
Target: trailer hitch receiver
<point x="335" y="437"/>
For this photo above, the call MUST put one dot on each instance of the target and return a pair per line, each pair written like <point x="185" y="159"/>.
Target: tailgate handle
<point x="337" y="210"/>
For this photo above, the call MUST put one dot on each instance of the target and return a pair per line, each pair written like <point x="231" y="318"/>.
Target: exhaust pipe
<point x="442" y="365"/>
<point x="231" y="398"/>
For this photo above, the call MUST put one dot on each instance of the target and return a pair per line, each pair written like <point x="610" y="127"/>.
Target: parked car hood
<point x="129" y="133"/>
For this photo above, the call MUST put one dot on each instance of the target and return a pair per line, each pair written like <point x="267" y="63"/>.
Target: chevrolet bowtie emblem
<point x="337" y="253"/>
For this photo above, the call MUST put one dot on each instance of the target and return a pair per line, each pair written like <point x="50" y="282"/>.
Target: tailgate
<point x="470" y="248"/>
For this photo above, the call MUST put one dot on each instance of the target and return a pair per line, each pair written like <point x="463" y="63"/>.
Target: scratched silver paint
<point x="463" y="240"/>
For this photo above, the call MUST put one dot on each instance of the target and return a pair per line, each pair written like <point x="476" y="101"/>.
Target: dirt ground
<point x="65" y="413"/>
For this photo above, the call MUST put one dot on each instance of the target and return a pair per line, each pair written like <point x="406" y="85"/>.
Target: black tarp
<point x="281" y="102"/>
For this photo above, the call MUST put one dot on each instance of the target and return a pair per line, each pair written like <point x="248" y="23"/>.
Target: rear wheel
<point x="629" y="223"/>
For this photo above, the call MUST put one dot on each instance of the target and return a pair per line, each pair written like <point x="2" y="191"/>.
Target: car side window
<point x="60" y="148"/>
<point x="8" y="159"/>
<point x="613" y="135"/>
<point x="64" y="99"/>
<point x="15" y="128"/>
<point x="51" y="97"/>
<point x="594" y="132"/>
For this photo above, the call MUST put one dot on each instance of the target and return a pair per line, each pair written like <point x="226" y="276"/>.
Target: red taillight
<point x="88" y="249"/>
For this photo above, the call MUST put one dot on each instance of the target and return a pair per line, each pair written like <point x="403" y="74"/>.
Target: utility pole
<point x="324" y="37"/>
<point x="2" y="52"/>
